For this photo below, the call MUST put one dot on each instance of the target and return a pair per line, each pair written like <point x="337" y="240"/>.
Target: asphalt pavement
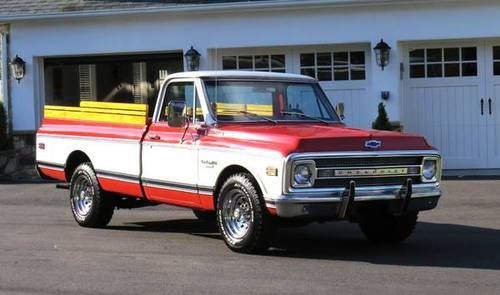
<point x="165" y="250"/>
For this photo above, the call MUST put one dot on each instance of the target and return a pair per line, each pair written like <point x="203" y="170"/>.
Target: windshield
<point x="268" y="101"/>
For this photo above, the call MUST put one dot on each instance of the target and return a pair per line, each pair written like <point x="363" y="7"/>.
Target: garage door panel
<point x="494" y="127"/>
<point x="354" y="101"/>
<point x="448" y="118"/>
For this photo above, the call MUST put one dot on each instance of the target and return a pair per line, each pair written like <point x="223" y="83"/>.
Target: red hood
<point x="290" y="138"/>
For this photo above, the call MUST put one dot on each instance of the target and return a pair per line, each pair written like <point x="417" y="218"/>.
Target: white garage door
<point x="450" y="97"/>
<point x="341" y="70"/>
<point x="343" y="75"/>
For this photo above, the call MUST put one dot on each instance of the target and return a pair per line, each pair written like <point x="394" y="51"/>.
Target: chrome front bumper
<point x="325" y="203"/>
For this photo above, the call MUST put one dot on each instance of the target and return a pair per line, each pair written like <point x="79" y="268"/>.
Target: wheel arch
<point x="74" y="160"/>
<point x="226" y="173"/>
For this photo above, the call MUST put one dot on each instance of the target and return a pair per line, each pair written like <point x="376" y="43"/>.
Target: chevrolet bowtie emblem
<point x="373" y="144"/>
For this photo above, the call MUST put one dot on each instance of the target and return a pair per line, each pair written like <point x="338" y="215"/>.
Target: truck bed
<point x="108" y="133"/>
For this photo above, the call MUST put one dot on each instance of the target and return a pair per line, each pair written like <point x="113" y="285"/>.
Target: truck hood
<point x="294" y="138"/>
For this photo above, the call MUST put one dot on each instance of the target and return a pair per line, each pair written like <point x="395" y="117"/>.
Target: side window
<point x="183" y="92"/>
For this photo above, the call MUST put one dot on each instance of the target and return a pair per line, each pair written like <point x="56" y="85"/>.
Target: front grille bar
<point x="370" y="168"/>
<point x="407" y="196"/>
<point x="345" y="207"/>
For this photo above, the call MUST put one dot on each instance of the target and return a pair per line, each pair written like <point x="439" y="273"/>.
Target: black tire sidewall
<point x="383" y="227"/>
<point x="254" y="240"/>
<point x="101" y="209"/>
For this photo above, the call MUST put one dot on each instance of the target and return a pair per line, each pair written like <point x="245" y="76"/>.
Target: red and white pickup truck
<point x="250" y="150"/>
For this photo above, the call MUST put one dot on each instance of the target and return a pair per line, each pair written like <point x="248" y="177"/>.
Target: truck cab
<point x="244" y="149"/>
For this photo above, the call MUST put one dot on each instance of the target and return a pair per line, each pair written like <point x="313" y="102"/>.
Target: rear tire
<point x="241" y="215"/>
<point x="380" y="226"/>
<point x="89" y="204"/>
<point x="208" y="216"/>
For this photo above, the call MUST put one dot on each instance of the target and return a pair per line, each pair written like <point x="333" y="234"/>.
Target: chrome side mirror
<point x="176" y="114"/>
<point x="340" y="109"/>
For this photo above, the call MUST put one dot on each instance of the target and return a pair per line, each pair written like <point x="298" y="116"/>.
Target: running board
<point x="62" y="186"/>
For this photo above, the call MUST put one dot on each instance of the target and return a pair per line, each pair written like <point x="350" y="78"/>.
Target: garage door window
<point x="334" y="66"/>
<point x="443" y="62"/>
<point x="496" y="60"/>
<point x="261" y="63"/>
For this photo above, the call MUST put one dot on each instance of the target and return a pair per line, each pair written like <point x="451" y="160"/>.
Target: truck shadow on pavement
<point x="432" y="245"/>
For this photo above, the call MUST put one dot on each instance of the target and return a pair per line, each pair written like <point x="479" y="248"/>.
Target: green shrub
<point x="382" y="122"/>
<point x="3" y="128"/>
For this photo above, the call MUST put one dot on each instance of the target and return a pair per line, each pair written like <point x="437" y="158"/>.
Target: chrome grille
<point x="367" y="171"/>
<point x="368" y="161"/>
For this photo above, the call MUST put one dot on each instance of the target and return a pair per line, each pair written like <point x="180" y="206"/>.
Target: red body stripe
<point x="272" y="211"/>
<point x="121" y="187"/>
<point x="207" y="202"/>
<point x="53" y="173"/>
<point x="178" y="198"/>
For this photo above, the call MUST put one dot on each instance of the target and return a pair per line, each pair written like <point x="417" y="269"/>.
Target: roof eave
<point x="214" y="8"/>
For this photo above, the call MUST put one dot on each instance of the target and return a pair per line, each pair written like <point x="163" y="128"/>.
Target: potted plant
<point x="382" y="121"/>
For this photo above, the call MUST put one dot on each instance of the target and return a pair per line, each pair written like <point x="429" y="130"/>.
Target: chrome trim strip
<point x="93" y="138"/>
<point x="178" y="186"/>
<point x="368" y="167"/>
<point x="50" y="167"/>
<point x="363" y="154"/>
<point x="100" y="175"/>
<point x="161" y="186"/>
<point x="367" y="176"/>
<point x="206" y="193"/>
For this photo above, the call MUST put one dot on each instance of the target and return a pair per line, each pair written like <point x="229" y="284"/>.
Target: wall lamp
<point x="18" y="68"/>
<point x="382" y="53"/>
<point x="192" y="57"/>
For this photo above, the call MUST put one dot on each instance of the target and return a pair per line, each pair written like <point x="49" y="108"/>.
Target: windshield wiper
<point x="305" y="116"/>
<point x="257" y="116"/>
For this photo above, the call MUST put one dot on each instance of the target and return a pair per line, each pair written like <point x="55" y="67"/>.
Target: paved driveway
<point x="455" y="250"/>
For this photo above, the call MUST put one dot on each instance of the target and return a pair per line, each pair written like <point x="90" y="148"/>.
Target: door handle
<point x="154" y="136"/>
<point x="482" y="107"/>
<point x="489" y="104"/>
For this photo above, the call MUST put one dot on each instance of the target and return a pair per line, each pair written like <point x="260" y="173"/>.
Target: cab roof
<point x="242" y="75"/>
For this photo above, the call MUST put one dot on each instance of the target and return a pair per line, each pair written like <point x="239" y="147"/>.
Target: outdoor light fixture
<point x="192" y="59"/>
<point x="383" y="53"/>
<point x="18" y="68"/>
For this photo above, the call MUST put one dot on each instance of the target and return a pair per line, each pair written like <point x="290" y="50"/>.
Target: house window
<point x="260" y="63"/>
<point x="496" y="60"/>
<point x="334" y="66"/>
<point x="443" y="62"/>
<point x="127" y="79"/>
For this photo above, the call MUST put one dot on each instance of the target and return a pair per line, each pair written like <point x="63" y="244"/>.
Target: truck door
<point x="170" y="153"/>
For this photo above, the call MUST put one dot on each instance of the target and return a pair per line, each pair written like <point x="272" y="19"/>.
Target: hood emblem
<point x="373" y="144"/>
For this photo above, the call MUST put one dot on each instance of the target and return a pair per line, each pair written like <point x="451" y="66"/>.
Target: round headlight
<point x="429" y="169"/>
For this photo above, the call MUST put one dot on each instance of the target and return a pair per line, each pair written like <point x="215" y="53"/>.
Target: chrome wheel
<point x="82" y="196"/>
<point x="237" y="214"/>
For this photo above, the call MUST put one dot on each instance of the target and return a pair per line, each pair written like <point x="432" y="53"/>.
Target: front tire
<point x="380" y="226"/>
<point x="89" y="204"/>
<point x="241" y="215"/>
